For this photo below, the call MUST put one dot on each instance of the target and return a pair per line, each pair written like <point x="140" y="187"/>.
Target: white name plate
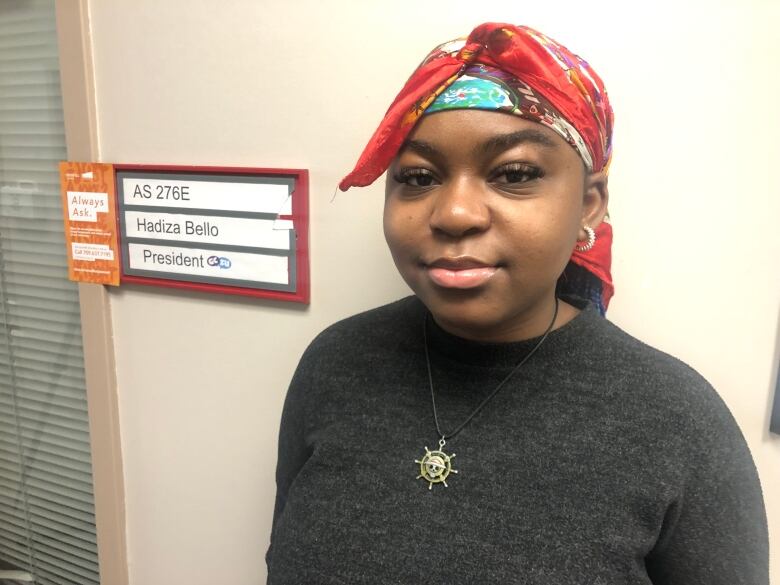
<point x="227" y="231"/>
<point x="224" y="196"/>
<point x="212" y="263"/>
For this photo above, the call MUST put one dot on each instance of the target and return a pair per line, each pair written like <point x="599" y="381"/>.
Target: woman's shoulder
<point x="661" y="405"/>
<point x="652" y="378"/>
<point x="621" y="351"/>
<point x="384" y="326"/>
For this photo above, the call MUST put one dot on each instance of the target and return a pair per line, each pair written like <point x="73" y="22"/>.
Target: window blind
<point x="47" y="524"/>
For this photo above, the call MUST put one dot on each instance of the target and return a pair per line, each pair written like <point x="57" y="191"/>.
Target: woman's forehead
<point x="484" y="131"/>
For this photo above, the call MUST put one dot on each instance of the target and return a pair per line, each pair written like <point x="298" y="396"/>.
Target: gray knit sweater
<point x="602" y="461"/>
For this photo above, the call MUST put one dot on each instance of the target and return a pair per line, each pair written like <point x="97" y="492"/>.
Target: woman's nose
<point x="459" y="209"/>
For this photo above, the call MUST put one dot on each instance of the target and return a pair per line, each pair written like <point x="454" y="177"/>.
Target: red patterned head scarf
<point x="566" y="81"/>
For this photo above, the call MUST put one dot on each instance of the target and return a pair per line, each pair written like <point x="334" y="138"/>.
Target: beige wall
<point x="201" y="378"/>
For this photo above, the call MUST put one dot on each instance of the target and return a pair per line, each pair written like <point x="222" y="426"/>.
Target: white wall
<point x="302" y="84"/>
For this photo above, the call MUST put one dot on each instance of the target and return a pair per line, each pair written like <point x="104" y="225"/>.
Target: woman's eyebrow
<point x="421" y="147"/>
<point x="503" y="142"/>
<point x="492" y="145"/>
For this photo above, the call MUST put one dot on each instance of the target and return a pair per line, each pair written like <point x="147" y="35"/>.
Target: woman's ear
<point x="594" y="201"/>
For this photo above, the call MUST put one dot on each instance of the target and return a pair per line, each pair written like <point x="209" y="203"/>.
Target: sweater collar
<point x="451" y="347"/>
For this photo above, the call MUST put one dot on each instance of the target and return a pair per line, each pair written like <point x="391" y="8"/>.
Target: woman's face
<point x="482" y="212"/>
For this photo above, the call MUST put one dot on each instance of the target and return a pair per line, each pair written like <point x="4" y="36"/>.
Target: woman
<point x="560" y="450"/>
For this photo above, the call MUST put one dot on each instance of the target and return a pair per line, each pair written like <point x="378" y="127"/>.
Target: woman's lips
<point x="460" y="273"/>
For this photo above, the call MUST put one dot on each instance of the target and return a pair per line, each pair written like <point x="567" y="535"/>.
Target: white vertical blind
<point x="47" y="524"/>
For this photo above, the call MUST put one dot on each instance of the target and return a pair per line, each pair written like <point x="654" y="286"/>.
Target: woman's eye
<point x="517" y="173"/>
<point x="416" y="178"/>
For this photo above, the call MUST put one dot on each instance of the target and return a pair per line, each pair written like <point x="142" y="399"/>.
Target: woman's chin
<point x="487" y="315"/>
<point x="466" y="316"/>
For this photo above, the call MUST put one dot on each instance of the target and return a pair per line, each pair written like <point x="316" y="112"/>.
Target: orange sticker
<point x="89" y="210"/>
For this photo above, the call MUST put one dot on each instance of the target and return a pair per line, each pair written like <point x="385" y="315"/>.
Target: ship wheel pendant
<point x="436" y="466"/>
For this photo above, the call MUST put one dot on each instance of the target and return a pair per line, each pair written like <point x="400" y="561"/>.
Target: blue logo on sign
<point x="220" y="261"/>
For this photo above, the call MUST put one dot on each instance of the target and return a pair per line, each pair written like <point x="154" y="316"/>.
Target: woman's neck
<point x="521" y="328"/>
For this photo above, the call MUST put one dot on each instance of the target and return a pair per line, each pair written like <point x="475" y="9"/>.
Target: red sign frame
<point x="299" y="217"/>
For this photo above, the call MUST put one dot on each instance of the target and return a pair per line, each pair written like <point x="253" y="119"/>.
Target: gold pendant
<point x="436" y="466"/>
